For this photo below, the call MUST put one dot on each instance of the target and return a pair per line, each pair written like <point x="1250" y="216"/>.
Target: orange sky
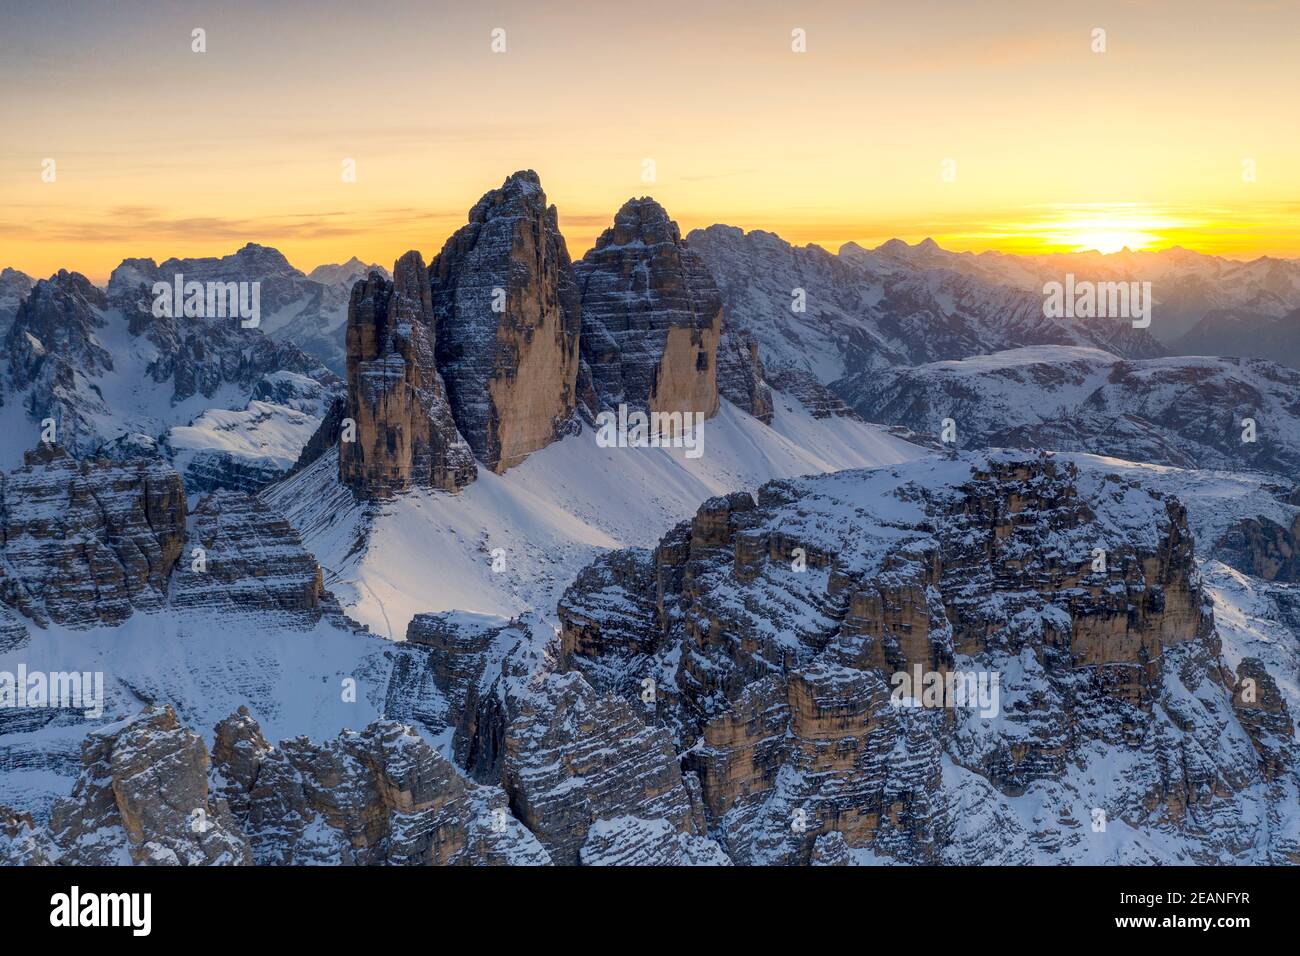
<point x="161" y="151"/>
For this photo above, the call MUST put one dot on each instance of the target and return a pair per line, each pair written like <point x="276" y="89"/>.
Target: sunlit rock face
<point x="405" y="434"/>
<point x="508" y="315"/>
<point x="651" y="317"/>
<point x="774" y="630"/>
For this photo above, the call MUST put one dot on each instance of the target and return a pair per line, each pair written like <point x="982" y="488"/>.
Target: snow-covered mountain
<point x="99" y="375"/>
<point x="1188" y="411"/>
<point x="831" y="316"/>
<point x="14" y="287"/>
<point x="1187" y="286"/>
<point x="460" y="624"/>
<point x="308" y="311"/>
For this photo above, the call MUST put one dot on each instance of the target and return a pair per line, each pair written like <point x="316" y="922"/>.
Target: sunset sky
<point x="160" y="151"/>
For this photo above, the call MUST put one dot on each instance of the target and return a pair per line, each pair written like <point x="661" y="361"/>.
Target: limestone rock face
<point x="574" y="758"/>
<point x="251" y="560"/>
<point x="88" y="543"/>
<point x="149" y="794"/>
<point x="1263" y="548"/>
<point x="776" y="632"/>
<point x="820" y="401"/>
<point x="13" y="631"/>
<point x="632" y="841"/>
<point x="378" y="797"/>
<point x="22" y="843"/>
<point x="651" y="316"/>
<point x="143" y="798"/>
<point x="742" y="380"/>
<point x="511" y="374"/>
<point x="405" y="434"/>
<point x="446" y="678"/>
<point x="1263" y="713"/>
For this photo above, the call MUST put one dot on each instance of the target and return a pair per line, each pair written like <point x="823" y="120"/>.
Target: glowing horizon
<point x="984" y="129"/>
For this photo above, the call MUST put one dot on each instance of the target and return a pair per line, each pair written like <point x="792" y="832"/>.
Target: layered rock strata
<point x="651" y="317"/>
<point x="508" y="314"/>
<point x="405" y="434"/>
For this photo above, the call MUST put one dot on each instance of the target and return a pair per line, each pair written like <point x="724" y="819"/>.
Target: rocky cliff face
<point x="405" y="433"/>
<point x="378" y="797"/>
<point x="582" y="769"/>
<point x="88" y="543"/>
<point x="508" y="316"/>
<point x="143" y="797"/>
<point x="52" y="351"/>
<point x="14" y="287"/>
<point x="774" y="631"/>
<point x="742" y="379"/>
<point x="242" y="556"/>
<point x="1262" y="548"/>
<point x="651" y="317"/>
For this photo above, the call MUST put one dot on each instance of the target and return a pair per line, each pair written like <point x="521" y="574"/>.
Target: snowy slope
<point x="551" y="515"/>
<point x="205" y="664"/>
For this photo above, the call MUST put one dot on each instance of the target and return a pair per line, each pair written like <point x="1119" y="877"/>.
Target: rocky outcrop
<point x="13" y="630"/>
<point x="149" y="794"/>
<point x="22" y="842"/>
<point x="381" y="796"/>
<point x="1262" y="710"/>
<point x="241" y="555"/>
<point x="651" y="317"/>
<point x="447" y="676"/>
<point x="88" y="543"/>
<point x="578" y="762"/>
<point x="405" y="434"/>
<point x="778" y="634"/>
<point x="14" y="287"/>
<point x="143" y="798"/>
<point x="508" y="316"/>
<point x="1263" y="548"/>
<point x="819" y="400"/>
<point x="742" y="379"/>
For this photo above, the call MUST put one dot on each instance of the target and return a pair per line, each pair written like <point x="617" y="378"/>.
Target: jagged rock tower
<point x="508" y="318"/>
<point x="405" y="433"/>
<point x="651" y="317"/>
